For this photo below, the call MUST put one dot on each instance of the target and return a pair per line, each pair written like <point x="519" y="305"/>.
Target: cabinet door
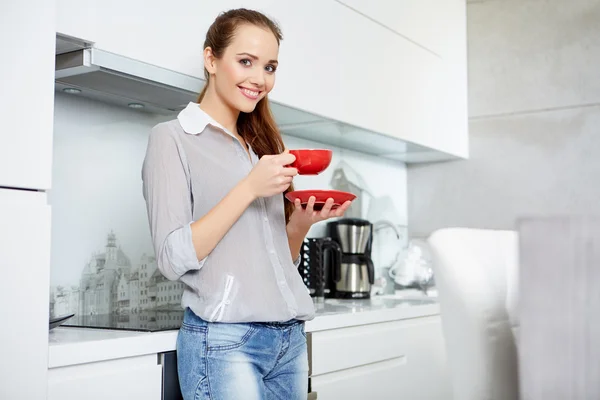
<point x="382" y="360"/>
<point x="390" y="379"/>
<point x="397" y="88"/>
<point x="309" y="77"/>
<point x="27" y="95"/>
<point x="390" y="82"/>
<point x="427" y="23"/>
<point x="24" y="293"/>
<point x="124" y="379"/>
<point x="382" y="380"/>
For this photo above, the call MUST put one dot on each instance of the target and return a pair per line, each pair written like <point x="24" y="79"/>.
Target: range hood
<point x="86" y="71"/>
<point x="107" y="77"/>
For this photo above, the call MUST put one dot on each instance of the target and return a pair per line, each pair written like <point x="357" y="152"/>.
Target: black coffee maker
<point x="351" y="275"/>
<point x="312" y="267"/>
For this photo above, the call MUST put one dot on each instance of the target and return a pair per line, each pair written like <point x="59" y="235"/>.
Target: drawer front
<point x="383" y="380"/>
<point x="114" y="380"/>
<point x="338" y="349"/>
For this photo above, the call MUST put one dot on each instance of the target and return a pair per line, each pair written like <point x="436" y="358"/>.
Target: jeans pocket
<point x="227" y="336"/>
<point x="191" y="361"/>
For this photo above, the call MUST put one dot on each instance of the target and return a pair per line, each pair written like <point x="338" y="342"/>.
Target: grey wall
<point x="534" y="107"/>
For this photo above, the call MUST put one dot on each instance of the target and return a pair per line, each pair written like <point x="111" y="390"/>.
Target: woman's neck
<point x="219" y="111"/>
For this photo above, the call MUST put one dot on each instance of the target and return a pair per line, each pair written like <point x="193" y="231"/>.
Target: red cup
<point x="311" y="161"/>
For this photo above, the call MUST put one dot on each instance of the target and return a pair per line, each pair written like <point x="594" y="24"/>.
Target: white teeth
<point x="250" y="92"/>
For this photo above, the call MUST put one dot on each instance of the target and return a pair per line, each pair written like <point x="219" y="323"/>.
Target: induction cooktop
<point x="143" y="321"/>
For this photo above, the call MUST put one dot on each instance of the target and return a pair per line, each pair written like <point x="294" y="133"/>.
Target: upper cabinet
<point x="395" y="69"/>
<point x="27" y="95"/>
<point x="419" y="48"/>
<point x="429" y="24"/>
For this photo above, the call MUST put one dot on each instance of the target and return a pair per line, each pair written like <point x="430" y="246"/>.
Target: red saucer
<point x="321" y="196"/>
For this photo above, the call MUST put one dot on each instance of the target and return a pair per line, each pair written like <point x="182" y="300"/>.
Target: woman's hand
<point x="302" y="219"/>
<point x="270" y="176"/>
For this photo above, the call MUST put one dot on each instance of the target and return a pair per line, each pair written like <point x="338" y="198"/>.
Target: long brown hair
<point x="257" y="128"/>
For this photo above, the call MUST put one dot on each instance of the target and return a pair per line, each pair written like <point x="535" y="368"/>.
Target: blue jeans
<point x="242" y="361"/>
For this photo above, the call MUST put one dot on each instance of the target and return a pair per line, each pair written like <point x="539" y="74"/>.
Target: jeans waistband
<point x="192" y="319"/>
<point x="281" y="323"/>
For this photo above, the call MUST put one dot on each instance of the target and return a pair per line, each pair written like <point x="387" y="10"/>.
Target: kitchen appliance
<point x="312" y="265"/>
<point x="351" y="276"/>
<point x="57" y="321"/>
<point x="141" y="321"/>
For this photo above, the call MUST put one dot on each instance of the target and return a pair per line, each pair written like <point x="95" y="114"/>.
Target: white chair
<point x="476" y="274"/>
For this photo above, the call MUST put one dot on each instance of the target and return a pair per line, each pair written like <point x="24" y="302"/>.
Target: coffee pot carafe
<point x="351" y="276"/>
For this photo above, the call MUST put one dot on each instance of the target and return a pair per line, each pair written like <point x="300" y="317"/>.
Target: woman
<point x="214" y="180"/>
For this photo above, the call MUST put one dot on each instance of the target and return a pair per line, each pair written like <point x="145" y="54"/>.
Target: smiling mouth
<point x="251" y="94"/>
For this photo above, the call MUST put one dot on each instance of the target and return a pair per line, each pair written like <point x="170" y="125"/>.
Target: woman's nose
<point x="258" y="79"/>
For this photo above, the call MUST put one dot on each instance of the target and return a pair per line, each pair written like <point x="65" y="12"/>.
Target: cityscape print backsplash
<point x="103" y="262"/>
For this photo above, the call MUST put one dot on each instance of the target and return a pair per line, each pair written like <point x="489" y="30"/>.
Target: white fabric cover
<point x="476" y="273"/>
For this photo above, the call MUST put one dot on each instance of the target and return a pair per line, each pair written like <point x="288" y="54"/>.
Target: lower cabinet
<point x="392" y="360"/>
<point x="121" y="379"/>
<point x="403" y="359"/>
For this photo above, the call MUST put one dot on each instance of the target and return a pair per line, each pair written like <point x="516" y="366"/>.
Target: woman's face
<point x="246" y="72"/>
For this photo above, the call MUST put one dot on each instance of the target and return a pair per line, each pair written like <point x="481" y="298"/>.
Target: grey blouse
<point x="191" y="163"/>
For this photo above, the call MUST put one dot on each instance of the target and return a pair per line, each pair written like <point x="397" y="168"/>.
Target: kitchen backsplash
<point x="102" y="256"/>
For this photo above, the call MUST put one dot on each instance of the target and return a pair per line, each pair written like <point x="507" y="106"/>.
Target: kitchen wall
<point x="534" y="100"/>
<point x="100" y="230"/>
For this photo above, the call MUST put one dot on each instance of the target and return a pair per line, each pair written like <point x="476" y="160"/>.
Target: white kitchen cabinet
<point x="390" y="81"/>
<point x="376" y="353"/>
<point x="26" y="98"/>
<point x="120" y="379"/>
<point x="24" y="293"/>
<point x="343" y="61"/>
<point x="309" y="77"/>
<point x="381" y="361"/>
<point x="402" y="89"/>
<point x="430" y="24"/>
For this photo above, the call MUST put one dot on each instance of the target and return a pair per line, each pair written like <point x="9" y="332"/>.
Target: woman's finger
<point x="327" y="208"/>
<point x="310" y="206"/>
<point x="341" y="210"/>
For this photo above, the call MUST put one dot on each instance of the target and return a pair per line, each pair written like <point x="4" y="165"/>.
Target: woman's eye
<point x="246" y="62"/>
<point x="270" y="68"/>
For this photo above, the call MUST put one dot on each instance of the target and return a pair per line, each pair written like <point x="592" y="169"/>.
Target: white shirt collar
<point x="194" y="120"/>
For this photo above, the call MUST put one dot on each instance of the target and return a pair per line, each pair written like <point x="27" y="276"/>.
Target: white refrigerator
<point x="26" y="126"/>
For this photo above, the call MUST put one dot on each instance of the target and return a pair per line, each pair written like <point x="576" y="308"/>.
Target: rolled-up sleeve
<point x="167" y="192"/>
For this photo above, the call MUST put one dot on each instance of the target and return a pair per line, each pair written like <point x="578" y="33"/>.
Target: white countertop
<point x="71" y="346"/>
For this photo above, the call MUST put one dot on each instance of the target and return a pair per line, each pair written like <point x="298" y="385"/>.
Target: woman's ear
<point x="209" y="61"/>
